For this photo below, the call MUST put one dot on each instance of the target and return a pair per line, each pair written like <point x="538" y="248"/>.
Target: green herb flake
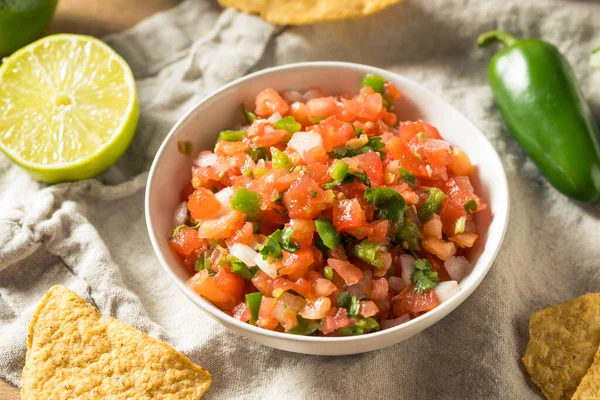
<point x="259" y="153"/>
<point x="407" y="175"/>
<point x="240" y="268"/>
<point x="305" y="327"/>
<point x="313" y="194"/>
<point x="289" y="124"/>
<point x="389" y="204"/>
<point x="176" y="230"/>
<point x="327" y="232"/>
<point x="279" y="240"/>
<point x="424" y="278"/>
<point x="250" y="117"/>
<point x="232" y="136"/>
<point x="470" y="206"/>
<point x="373" y="144"/>
<point x="246" y="201"/>
<point x="362" y="325"/>
<point x="202" y="263"/>
<point x="375" y="82"/>
<point x="317" y="119"/>
<point x="184" y="148"/>
<point x="358" y="131"/>
<point x="349" y="302"/>
<point x="432" y="205"/>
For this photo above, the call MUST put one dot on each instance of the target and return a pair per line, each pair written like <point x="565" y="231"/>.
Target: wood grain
<point x="96" y="18"/>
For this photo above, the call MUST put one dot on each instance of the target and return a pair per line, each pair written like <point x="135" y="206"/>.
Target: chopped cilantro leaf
<point x="280" y="239"/>
<point x="388" y="203"/>
<point x="407" y="175"/>
<point x="349" y="302"/>
<point x="374" y="144"/>
<point x="240" y="268"/>
<point x="424" y="278"/>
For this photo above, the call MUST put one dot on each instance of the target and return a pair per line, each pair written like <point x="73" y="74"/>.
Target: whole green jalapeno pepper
<point x="543" y="107"/>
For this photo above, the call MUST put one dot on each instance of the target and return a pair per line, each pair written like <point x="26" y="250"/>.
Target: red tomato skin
<point x="371" y="163"/>
<point x="185" y="241"/>
<point x="348" y="215"/>
<point x="268" y="102"/>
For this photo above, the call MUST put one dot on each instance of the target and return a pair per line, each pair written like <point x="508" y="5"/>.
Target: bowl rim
<point x="213" y="311"/>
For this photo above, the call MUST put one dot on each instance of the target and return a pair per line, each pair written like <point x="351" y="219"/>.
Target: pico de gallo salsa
<point x="325" y="215"/>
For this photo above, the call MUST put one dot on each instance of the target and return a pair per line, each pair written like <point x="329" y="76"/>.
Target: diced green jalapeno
<point x="232" y="136"/>
<point x="470" y="206"/>
<point x="327" y="233"/>
<point x="370" y="252"/>
<point x="260" y="153"/>
<point x="289" y="124"/>
<point x="410" y="236"/>
<point x="328" y="273"/>
<point x="304" y="327"/>
<point x="253" y="303"/>
<point x="407" y="175"/>
<point x="339" y="170"/>
<point x="376" y="82"/>
<point x="280" y="159"/>
<point x="432" y="205"/>
<point x="459" y="227"/>
<point x="246" y="201"/>
<point x="250" y="117"/>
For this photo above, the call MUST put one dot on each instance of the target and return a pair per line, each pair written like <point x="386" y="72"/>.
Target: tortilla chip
<point x="589" y="388"/>
<point x="562" y="345"/>
<point x="299" y="12"/>
<point x="75" y="352"/>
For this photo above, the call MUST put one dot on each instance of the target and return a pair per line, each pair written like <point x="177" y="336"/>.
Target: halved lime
<point x="68" y="107"/>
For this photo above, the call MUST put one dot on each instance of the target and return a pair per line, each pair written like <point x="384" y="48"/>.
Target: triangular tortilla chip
<point x="589" y="388"/>
<point x="298" y="12"/>
<point x="75" y="352"/>
<point x="564" y="340"/>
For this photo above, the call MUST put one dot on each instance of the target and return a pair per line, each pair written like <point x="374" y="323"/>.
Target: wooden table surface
<point x="96" y="18"/>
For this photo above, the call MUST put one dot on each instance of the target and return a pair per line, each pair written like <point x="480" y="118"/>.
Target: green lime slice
<point x="68" y="107"/>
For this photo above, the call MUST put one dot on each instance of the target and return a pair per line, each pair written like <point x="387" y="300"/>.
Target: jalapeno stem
<point x="485" y="39"/>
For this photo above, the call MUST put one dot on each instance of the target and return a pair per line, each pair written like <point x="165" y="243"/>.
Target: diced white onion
<point x="206" y="159"/>
<point x="407" y="262"/>
<point x="265" y="266"/>
<point x="389" y="323"/>
<point x="274" y="118"/>
<point x="303" y="142"/>
<point x="457" y="267"/>
<point x="397" y="284"/>
<point x="224" y="197"/>
<point x="180" y="214"/>
<point x="313" y="94"/>
<point x="446" y="290"/>
<point x="362" y="289"/>
<point x="244" y="253"/>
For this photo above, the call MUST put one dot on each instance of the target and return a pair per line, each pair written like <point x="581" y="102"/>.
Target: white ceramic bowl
<point x="171" y="171"/>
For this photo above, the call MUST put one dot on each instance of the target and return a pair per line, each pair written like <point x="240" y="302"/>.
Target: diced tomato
<point x="410" y="302"/>
<point x="316" y="309"/>
<point x="444" y="250"/>
<point x="266" y="319"/>
<point x="225" y="289"/>
<point x="335" y="319"/>
<point x="368" y="308"/>
<point x="296" y="264"/>
<point x="204" y="205"/>
<point x="319" y="172"/>
<point x="186" y="192"/>
<point x="335" y="132"/>
<point x="449" y="214"/>
<point x="223" y="227"/>
<point x="348" y="215"/>
<point x="263" y="282"/>
<point x="460" y="190"/>
<point x="460" y="164"/>
<point x="244" y="236"/>
<point x="349" y="273"/>
<point x="270" y="137"/>
<point x="398" y="150"/>
<point x="224" y="148"/>
<point x="321" y="107"/>
<point x="185" y="241"/>
<point x="378" y="231"/>
<point x="369" y="103"/>
<point x="304" y="230"/>
<point x="433" y="227"/>
<point x="305" y="199"/>
<point x="371" y="163"/>
<point x="323" y="287"/>
<point x="241" y="312"/>
<point x="380" y="289"/>
<point x="391" y="92"/>
<point x="466" y="239"/>
<point x="268" y="102"/>
<point x="270" y="221"/>
<point x="285" y="315"/>
<point x="298" y="111"/>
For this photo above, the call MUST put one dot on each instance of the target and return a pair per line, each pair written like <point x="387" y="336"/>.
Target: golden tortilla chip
<point x="589" y="388"/>
<point x="299" y="12"/>
<point x="562" y="345"/>
<point x="75" y="352"/>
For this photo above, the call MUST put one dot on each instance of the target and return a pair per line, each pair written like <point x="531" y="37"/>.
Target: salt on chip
<point x="299" y="12"/>
<point x="589" y="388"/>
<point x="562" y="345"/>
<point x="75" y="352"/>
